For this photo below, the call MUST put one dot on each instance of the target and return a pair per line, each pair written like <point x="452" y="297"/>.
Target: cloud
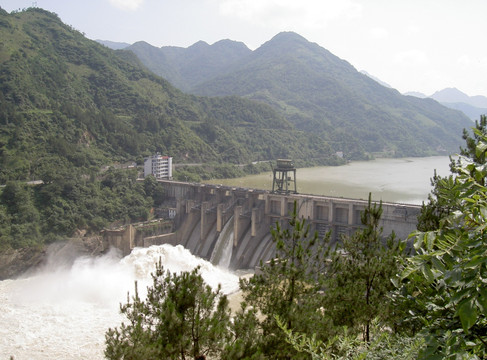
<point x="129" y="5"/>
<point x="278" y="13"/>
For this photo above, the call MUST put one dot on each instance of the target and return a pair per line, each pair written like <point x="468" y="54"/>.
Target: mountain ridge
<point x="322" y="94"/>
<point x="472" y="106"/>
<point x="77" y="104"/>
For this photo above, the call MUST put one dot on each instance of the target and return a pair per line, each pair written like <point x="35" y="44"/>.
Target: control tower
<point x="284" y="177"/>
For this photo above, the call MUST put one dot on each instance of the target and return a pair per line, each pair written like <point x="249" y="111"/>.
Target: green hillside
<point x="69" y="102"/>
<point x="70" y="108"/>
<point x="322" y="94"/>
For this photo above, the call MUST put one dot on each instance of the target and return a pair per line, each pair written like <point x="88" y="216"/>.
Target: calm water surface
<point x="405" y="180"/>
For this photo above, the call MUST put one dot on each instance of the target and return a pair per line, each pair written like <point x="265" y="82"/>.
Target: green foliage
<point x="34" y="214"/>
<point x="348" y="347"/>
<point x="19" y="218"/>
<point x="181" y="318"/>
<point x="357" y="281"/>
<point x="447" y="275"/>
<point x="439" y="203"/>
<point x="288" y="287"/>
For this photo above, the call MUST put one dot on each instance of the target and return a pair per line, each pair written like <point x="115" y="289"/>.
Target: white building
<point x="159" y="166"/>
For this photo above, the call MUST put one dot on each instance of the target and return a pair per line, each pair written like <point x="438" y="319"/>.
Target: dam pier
<point x="195" y="216"/>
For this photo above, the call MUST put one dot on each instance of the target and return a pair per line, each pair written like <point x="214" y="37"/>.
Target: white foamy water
<point x="63" y="313"/>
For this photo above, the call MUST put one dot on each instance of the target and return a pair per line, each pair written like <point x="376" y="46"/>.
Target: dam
<point x="211" y="219"/>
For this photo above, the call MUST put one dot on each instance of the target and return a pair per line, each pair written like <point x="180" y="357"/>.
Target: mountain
<point x="323" y="94"/>
<point x="320" y="94"/>
<point x="472" y="106"/>
<point x="376" y="79"/>
<point x="453" y="95"/>
<point x="472" y="112"/>
<point x="416" y="94"/>
<point x="113" y="45"/>
<point x="187" y="67"/>
<point x="67" y="103"/>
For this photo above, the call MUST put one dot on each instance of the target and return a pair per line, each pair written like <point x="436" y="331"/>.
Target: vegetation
<point x="287" y="287"/>
<point x="69" y="107"/>
<point x="182" y="318"/>
<point x="358" y="279"/>
<point x="77" y="104"/>
<point x="31" y="215"/>
<point x="446" y="276"/>
<point x="317" y="92"/>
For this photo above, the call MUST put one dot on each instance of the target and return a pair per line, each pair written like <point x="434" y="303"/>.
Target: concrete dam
<point x="222" y="223"/>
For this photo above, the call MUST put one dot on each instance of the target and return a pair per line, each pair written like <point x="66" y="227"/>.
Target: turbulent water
<point x="64" y="312"/>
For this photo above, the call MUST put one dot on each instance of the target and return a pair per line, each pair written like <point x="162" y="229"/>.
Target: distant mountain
<point x="471" y="111"/>
<point x="187" y="67"/>
<point x="416" y="94"/>
<point x="319" y="93"/>
<point x="471" y="106"/>
<point x="113" y="45"/>
<point x="67" y="103"/>
<point x="376" y="79"/>
<point x="453" y="95"/>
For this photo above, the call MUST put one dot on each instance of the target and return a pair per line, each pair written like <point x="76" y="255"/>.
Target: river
<point x="405" y="180"/>
<point x="63" y="312"/>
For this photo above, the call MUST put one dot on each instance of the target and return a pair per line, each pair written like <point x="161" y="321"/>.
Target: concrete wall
<point x="203" y="210"/>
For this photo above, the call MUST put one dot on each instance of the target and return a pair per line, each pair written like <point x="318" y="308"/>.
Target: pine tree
<point x="358" y="278"/>
<point x="181" y="318"/>
<point x="289" y="287"/>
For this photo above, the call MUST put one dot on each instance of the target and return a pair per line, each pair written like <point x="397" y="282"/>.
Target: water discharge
<point x="222" y="254"/>
<point x="64" y="312"/>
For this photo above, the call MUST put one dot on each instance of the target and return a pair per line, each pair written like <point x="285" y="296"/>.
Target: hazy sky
<point x="413" y="45"/>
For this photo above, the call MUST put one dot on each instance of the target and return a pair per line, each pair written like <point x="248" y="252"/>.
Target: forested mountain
<point x="68" y="102"/>
<point x="188" y="67"/>
<point x="322" y="94"/>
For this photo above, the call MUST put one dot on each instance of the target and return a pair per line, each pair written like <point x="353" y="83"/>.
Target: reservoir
<point x="405" y="180"/>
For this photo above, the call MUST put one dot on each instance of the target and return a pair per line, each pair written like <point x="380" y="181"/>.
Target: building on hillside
<point x="159" y="166"/>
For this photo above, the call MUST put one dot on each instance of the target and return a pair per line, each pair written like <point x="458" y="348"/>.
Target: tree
<point x="289" y="287"/>
<point x="438" y="206"/>
<point x="347" y="346"/>
<point x="447" y="275"/>
<point x="358" y="279"/>
<point x="154" y="189"/>
<point x="19" y="215"/>
<point x="181" y="318"/>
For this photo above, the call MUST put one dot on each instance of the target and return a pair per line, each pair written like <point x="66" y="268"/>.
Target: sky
<point x="412" y="45"/>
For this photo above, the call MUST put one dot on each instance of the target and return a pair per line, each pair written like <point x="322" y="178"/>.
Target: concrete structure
<point x="159" y="166"/>
<point x="202" y="211"/>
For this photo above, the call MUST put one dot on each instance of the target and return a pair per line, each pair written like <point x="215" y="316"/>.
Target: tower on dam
<point x="284" y="177"/>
